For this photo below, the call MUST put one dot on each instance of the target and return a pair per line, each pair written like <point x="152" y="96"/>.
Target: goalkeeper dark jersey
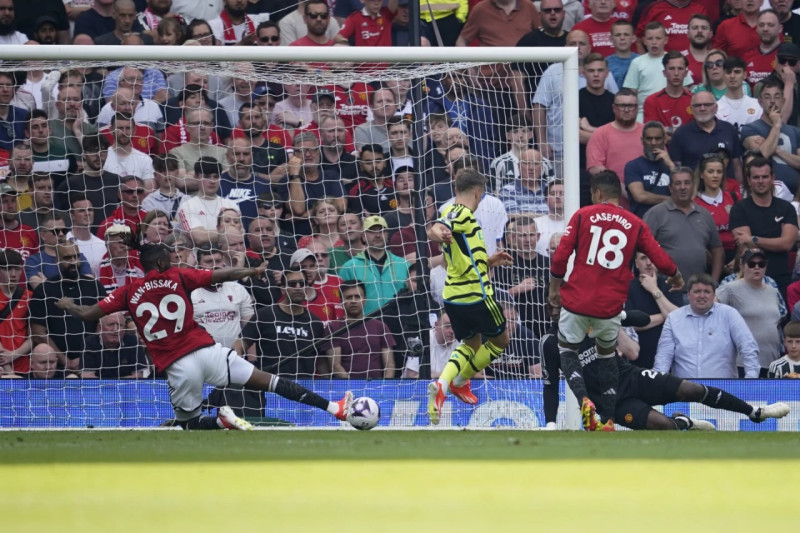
<point x="467" y="260"/>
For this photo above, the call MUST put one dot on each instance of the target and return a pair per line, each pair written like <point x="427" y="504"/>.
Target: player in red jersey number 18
<point x="604" y="238"/>
<point x="160" y="304"/>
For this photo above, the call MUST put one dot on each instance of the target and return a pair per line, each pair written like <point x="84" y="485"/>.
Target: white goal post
<point x="317" y="66"/>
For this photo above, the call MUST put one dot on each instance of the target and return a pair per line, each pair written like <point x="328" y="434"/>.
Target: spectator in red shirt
<point x="737" y="35"/>
<point x="598" y="26"/>
<point x="15" y="343"/>
<point x="323" y="301"/>
<point x="372" y="26"/>
<point x="700" y="35"/>
<point x="317" y="18"/>
<point x="13" y="233"/>
<point x="761" y="60"/>
<point x="131" y="194"/>
<point x="672" y="105"/>
<point x="675" y="16"/>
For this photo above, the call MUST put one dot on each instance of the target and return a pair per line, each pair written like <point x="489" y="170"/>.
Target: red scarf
<point x="151" y="18"/>
<point x="228" y="35"/>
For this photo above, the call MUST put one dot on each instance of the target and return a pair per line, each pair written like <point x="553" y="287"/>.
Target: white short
<point x="573" y="328"/>
<point x="215" y="365"/>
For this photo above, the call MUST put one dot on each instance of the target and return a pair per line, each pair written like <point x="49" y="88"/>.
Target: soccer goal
<point x="287" y="127"/>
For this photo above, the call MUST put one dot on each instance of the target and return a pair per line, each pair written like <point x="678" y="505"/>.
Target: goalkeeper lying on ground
<point x="640" y="389"/>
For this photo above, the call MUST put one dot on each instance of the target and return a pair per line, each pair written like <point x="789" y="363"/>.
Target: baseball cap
<point x="323" y="93"/>
<point x="789" y="50"/>
<point x="268" y="199"/>
<point x="117" y="229"/>
<point x="6" y="188"/>
<point x="43" y="20"/>
<point x="375" y="220"/>
<point x="301" y="254"/>
<point x="751" y="253"/>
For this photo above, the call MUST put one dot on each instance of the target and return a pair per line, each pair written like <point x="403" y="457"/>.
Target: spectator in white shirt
<point x="123" y="159"/>
<point x="197" y="216"/>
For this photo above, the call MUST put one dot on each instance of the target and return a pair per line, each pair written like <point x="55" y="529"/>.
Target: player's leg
<point x="185" y="381"/>
<point x="226" y="367"/>
<point x="689" y="391"/>
<point x="571" y="331"/>
<point x="605" y="333"/>
<point x="492" y="324"/>
<point x="293" y="391"/>
<point x="550" y="381"/>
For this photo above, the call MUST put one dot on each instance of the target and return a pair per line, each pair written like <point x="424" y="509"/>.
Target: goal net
<point x="333" y="159"/>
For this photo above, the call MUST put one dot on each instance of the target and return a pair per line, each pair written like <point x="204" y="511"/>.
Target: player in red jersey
<point x="161" y="306"/>
<point x="605" y="237"/>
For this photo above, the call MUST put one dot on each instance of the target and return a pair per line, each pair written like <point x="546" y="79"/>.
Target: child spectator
<point x="646" y="72"/>
<point x="788" y="366"/>
<point x="371" y="26"/>
<point x="620" y="61"/>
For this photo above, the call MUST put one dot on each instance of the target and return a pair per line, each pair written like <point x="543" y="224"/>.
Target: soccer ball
<point x="364" y="413"/>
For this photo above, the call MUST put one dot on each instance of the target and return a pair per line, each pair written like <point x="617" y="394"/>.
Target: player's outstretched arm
<point x="236" y="273"/>
<point x="438" y="232"/>
<point x="84" y="312"/>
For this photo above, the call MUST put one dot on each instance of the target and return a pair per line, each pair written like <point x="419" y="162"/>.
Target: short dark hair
<point x="94" y="143"/>
<point x="267" y="24"/>
<point x="655" y="25"/>
<point x="10" y="258"/>
<point x="626" y="91"/>
<point x="121" y="116"/>
<point x="608" y="183"/>
<point x="674" y="54"/>
<point x="374" y="148"/>
<point x="395" y="120"/>
<point x="468" y="179"/>
<point x="38" y="113"/>
<point x="770" y="83"/>
<point x="207" y="165"/>
<point x="517" y="122"/>
<point x="164" y="162"/>
<point x="466" y="161"/>
<point x="594" y="56"/>
<point x="317" y="2"/>
<point x="702" y="17"/>
<point x="76" y="197"/>
<point x="732" y="62"/>
<point x="758" y="162"/>
<point x="352" y="283"/>
<point x="700" y="278"/>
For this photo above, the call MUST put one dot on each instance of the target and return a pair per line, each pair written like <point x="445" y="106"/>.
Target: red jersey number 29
<point x="178" y="315"/>
<point x="609" y="255"/>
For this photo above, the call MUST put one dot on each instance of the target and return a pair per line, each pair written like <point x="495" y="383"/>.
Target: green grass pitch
<point x="386" y="481"/>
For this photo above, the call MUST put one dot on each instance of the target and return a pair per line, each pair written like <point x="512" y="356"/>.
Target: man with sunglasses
<point x="129" y="212"/>
<point x="268" y="33"/>
<point x="279" y="332"/>
<point x="309" y="25"/>
<point x="44" y="265"/>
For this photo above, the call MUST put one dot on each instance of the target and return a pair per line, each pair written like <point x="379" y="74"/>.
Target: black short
<point x="639" y="390"/>
<point x="485" y="318"/>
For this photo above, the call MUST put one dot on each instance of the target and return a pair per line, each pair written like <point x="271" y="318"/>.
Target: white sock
<point x="445" y="385"/>
<point x="459" y="381"/>
<point x="332" y="408"/>
<point x="220" y="424"/>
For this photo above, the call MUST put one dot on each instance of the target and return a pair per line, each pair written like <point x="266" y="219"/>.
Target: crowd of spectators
<point x="693" y="104"/>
